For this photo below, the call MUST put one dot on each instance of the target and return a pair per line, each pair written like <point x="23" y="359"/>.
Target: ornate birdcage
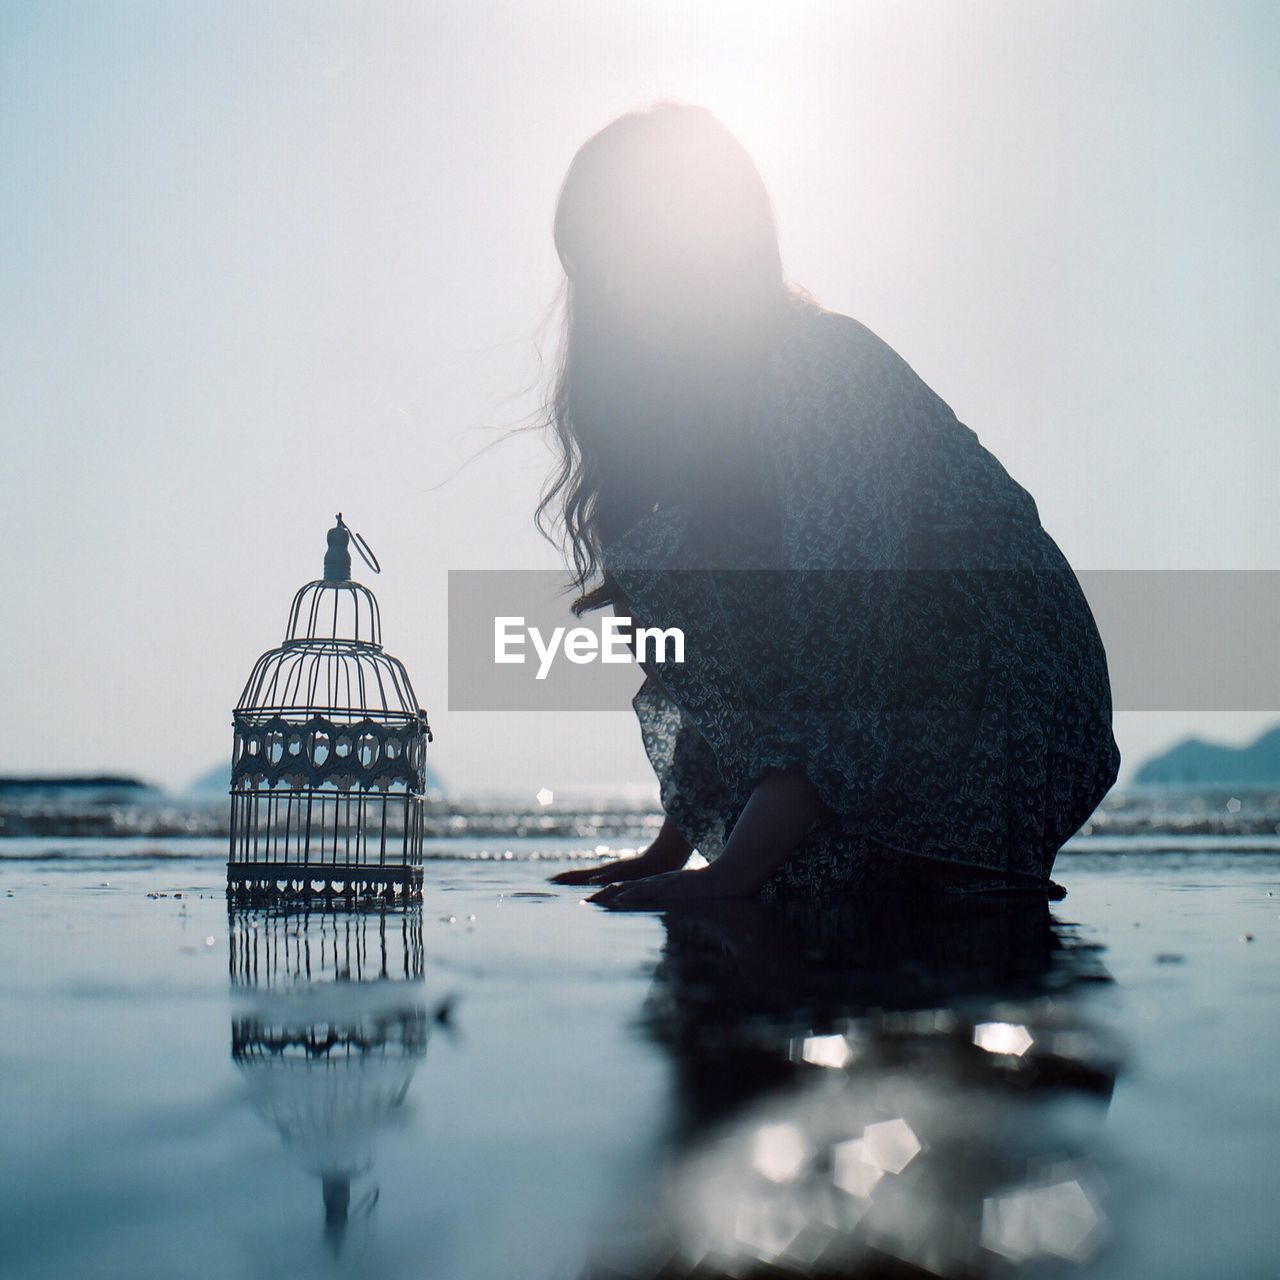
<point x="328" y="772"/>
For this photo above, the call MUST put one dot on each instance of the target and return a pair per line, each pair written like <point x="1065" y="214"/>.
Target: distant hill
<point x="216" y="782"/>
<point x="1195" y="762"/>
<point x="70" y="788"/>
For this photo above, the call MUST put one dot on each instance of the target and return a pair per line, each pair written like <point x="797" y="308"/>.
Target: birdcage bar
<point x="292" y="832"/>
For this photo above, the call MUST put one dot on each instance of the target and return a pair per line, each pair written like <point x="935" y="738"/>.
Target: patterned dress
<point x="893" y="621"/>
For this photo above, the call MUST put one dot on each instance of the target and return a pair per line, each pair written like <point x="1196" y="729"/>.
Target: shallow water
<point x="513" y="1084"/>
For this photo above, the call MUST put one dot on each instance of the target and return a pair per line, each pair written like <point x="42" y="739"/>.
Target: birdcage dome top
<point x="331" y="662"/>
<point x="327" y="610"/>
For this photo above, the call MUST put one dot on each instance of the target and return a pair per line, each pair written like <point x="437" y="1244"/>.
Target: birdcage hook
<point x="365" y="550"/>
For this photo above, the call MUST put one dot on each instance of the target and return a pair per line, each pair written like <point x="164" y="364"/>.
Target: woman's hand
<point x="616" y="869"/>
<point x="668" y="852"/>
<point x="671" y="888"/>
<point x="783" y="807"/>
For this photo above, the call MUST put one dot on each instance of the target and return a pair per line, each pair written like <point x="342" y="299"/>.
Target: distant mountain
<point x="215" y="783"/>
<point x="1198" y="763"/>
<point x="76" y="789"/>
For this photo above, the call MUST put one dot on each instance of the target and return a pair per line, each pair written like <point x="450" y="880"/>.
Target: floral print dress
<point x="902" y="629"/>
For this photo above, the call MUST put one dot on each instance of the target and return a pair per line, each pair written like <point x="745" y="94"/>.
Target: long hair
<point x="674" y="290"/>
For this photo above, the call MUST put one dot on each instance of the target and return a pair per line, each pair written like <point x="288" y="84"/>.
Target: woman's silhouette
<point x="891" y="676"/>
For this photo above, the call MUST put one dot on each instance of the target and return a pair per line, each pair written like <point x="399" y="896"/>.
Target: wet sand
<point x="511" y="1083"/>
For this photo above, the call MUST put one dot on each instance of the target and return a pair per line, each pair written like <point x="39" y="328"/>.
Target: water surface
<point x="512" y="1083"/>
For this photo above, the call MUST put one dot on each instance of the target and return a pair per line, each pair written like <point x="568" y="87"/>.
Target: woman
<point x="892" y="678"/>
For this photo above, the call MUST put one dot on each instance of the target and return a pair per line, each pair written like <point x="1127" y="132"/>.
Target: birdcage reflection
<point x="329" y="764"/>
<point x="329" y="1025"/>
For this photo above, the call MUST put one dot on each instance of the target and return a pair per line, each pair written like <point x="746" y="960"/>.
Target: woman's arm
<point x="783" y="806"/>
<point x="668" y="852"/>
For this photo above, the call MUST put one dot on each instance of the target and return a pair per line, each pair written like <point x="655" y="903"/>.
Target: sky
<point x="261" y="263"/>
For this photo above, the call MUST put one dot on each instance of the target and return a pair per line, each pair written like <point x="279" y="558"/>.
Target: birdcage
<point x="328" y="771"/>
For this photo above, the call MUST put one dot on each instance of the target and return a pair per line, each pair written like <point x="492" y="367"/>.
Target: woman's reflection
<point x="329" y="1025"/>
<point x="874" y="1087"/>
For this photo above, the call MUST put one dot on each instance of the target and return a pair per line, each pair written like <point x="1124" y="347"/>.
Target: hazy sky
<point x="265" y="262"/>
